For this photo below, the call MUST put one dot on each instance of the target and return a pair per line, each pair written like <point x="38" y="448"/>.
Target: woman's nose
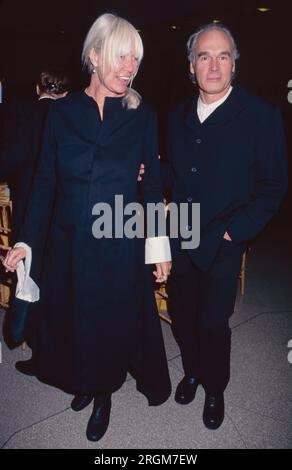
<point x="130" y="64"/>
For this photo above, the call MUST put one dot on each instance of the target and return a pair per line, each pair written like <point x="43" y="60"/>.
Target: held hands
<point x="13" y="257"/>
<point x="162" y="271"/>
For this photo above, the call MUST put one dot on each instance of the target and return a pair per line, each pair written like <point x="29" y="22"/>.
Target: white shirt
<point x="204" y="110"/>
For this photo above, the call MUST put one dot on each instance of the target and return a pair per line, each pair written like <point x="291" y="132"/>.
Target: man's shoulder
<point x="183" y="107"/>
<point x="254" y="102"/>
<point x="184" y="104"/>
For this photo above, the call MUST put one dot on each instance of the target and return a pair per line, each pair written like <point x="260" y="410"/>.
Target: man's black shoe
<point x="186" y="390"/>
<point x="80" y="402"/>
<point x="213" y="414"/>
<point x="99" y="419"/>
<point x="26" y="367"/>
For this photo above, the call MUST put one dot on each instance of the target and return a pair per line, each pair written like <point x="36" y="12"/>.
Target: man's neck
<point x="208" y="98"/>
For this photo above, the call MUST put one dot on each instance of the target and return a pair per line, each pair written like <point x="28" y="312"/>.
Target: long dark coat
<point x="97" y="312"/>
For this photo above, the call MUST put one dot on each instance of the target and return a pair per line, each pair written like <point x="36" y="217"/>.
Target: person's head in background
<point x="52" y="83"/>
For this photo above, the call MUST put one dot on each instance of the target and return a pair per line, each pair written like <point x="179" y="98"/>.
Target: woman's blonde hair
<point x="112" y="37"/>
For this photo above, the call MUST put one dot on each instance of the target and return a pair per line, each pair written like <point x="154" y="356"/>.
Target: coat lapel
<point x="115" y="116"/>
<point x="236" y="102"/>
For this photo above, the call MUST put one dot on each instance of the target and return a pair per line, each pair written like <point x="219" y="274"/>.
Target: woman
<point x="97" y="315"/>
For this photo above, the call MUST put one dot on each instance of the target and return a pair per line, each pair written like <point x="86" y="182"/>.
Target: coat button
<point x="194" y="169"/>
<point x="198" y="141"/>
<point x="189" y="199"/>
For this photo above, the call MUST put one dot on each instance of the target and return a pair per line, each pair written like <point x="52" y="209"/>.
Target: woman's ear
<point x="93" y="57"/>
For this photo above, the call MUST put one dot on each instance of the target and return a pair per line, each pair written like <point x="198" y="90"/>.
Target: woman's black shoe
<point x="80" y="402"/>
<point x="99" y="419"/>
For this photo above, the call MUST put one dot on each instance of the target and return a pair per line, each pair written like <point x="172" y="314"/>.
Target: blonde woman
<point x="97" y="313"/>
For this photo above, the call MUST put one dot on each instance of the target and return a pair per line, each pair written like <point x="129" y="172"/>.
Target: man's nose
<point x="214" y="63"/>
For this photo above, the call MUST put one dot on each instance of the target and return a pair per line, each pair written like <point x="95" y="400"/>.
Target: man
<point x="226" y="152"/>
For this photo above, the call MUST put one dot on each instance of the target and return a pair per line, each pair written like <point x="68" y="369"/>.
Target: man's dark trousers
<point x="200" y="305"/>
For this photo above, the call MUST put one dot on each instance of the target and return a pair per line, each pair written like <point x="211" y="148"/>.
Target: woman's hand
<point x="13" y="257"/>
<point x="162" y="271"/>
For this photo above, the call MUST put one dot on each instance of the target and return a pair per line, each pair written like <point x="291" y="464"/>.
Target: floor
<point x="258" y="398"/>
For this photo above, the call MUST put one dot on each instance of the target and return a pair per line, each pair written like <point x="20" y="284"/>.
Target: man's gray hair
<point x="193" y="39"/>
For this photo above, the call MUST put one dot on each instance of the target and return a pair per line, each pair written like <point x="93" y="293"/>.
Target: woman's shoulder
<point x="74" y="100"/>
<point x="147" y="109"/>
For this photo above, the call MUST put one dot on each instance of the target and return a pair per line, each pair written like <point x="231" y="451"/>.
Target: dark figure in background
<point x="23" y="133"/>
<point x="97" y="316"/>
<point x="226" y="151"/>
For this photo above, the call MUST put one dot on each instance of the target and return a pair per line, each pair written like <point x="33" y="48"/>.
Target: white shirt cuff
<point x="26" y="288"/>
<point x="157" y="250"/>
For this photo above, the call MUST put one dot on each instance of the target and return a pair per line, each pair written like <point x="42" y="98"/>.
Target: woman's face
<point x="115" y="81"/>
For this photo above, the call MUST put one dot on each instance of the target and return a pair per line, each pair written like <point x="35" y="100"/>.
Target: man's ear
<point x="37" y="89"/>
<point x="192" y="70"/>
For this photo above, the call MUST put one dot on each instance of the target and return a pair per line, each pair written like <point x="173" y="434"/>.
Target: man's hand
<point x="162" y="271"/>
<point x="227" y="237"/>
<point x="13" y="257"/>
<point x="141" y="172"/>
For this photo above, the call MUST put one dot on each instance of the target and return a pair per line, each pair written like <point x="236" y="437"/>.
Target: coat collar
<point x="114" y="115"/>
<point x="113" y="107"/>
<point x="236" y="102"/>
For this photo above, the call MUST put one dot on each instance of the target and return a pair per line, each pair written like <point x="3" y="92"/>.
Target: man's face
<point x="213" y="64"/>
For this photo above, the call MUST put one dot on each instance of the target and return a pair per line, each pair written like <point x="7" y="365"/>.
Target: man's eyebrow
<point x="220" y="53"/>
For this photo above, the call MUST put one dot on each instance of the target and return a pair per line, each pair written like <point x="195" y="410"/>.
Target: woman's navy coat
<point x="97" y="315"/>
